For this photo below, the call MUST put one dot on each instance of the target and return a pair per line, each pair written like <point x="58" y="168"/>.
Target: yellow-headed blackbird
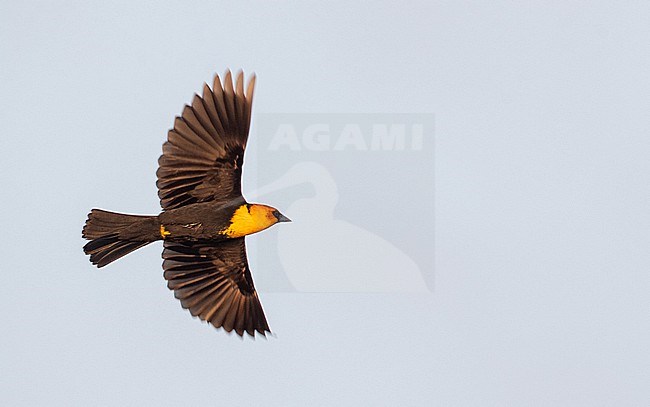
<point x="205" y="217"/>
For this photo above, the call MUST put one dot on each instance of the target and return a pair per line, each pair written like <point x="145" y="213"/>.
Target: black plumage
<point x="199" y="186"/>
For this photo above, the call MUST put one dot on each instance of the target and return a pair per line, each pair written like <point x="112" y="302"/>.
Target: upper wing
<point x="204" y="152"/>
<point x="215" y="284"/>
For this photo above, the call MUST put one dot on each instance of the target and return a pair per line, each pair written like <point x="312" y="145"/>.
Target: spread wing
<point x="215" y="284"/>
<point x="204" y="152"/>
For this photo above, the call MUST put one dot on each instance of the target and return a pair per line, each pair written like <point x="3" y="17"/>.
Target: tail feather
<point x="114" y="235"/>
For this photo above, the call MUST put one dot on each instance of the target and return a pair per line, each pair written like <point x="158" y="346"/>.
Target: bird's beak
<point x="282" y="218"/>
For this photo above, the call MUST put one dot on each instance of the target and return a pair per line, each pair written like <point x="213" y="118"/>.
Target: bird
<point x="204" y="218"/>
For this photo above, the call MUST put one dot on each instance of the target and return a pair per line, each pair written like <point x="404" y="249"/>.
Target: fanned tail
<point x="114" y="235"/>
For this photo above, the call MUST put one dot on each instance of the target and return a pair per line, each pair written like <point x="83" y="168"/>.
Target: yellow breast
<point x="249" y="219"/>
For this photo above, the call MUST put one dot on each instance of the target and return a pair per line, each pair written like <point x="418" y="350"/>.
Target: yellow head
<point x="252" y="218"/>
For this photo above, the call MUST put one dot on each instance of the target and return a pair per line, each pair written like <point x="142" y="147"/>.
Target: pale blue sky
<point x="540" y="295"/>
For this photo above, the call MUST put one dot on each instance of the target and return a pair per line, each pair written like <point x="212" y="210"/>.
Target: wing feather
<point x="220" y="102"/>
<point x="211" y="109"/>
<point x="214" y="283"/>
<point x="229" y="96"/>
<point x="203" y="154"/>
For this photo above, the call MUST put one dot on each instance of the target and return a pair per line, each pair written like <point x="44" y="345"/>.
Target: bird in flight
<point x="205" y="218"/>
